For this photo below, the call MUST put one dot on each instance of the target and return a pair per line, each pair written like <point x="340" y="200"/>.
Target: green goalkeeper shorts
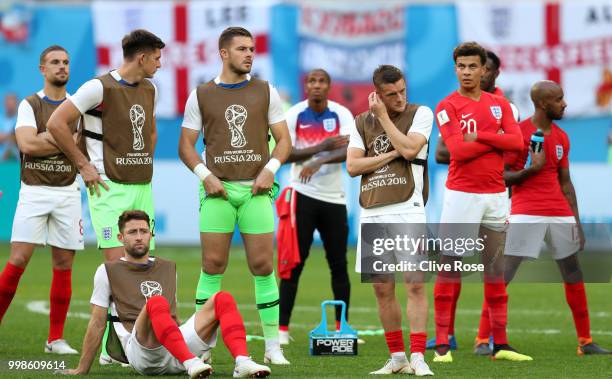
<point x="106" y="209"/>
<point x="252" y="213"/>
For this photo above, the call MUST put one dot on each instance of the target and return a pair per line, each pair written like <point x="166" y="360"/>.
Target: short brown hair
<point x="130" y="215"/>
<point x="49" y="49"/>
<point x="386" y="74"/>
<point x="468" y="49"/>
<point x="229" y="33"/>
<point x="138" y="41"/>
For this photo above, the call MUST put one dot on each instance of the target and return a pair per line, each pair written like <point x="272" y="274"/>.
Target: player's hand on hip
<point x="333" y="143"/>
<point x="377" y="107"/>
<point x="92" y="179"/>
<point x="537" y="159"/>
<point x="263" y="182"/>
<point x="309" y="170"/>
<point x="214" y="187"/>
<point x="470" y="137"/>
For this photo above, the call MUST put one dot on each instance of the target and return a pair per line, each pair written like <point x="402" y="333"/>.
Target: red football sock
<point x="443" y="301"/>
<point x="497" y="299"/>
<point x="456" y="293"/>
<point x="395" y="341"/>
<point x="232" y="326"/>
<point x="576" y="299"/>
<point x="283" y="328"/>
<point x="61" y="292"/>
<point x="337" y="325"/>
<point x="9" y="279"/>
<point x="166" y="330"/>
<point x="417" y="342"/>
<point x="484" y="328"/>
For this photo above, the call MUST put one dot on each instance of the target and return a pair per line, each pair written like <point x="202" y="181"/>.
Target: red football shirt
<point x="540" y="194"/>
<point x="477" y="167"/>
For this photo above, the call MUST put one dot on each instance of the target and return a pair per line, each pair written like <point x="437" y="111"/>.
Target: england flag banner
<point x="350" y="40"/>
<point x="190" y="31"/>
<point x="569" y="42"/>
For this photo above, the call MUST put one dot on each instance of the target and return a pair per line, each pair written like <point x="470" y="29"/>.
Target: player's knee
<point x="224" y="301"/>
<point x="339" y="268"/>
<point x="261" y="268"/>
<point x="416" y="290"/>
<point x="63" y="262"/>
<point x="384" y="291"/>
<point x="157" y="304"/>
<point x="18" y="259"/>
<point x="213" y="266"/>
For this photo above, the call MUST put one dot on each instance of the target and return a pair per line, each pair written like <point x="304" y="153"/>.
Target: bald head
<point x="544" y="89"/>
<point x="547" y="97"/>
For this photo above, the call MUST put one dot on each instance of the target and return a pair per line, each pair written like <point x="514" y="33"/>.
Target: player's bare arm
<point x="153" y="135"/>
<point x="516" y="177"/>
<point x="311" y="168"/>
<point x="191" y="159"/>
<point x="442" y="153"/>
<point x="57" y="125"/>
<point x="358" y="164"/>
<point x="329" y="144"/>
<point x="408" y="145"/>
<point x="35" y="144"/>
<point x="570" y="194"/>
<point x="91" y="341"/>
<point x="264" y="181"/>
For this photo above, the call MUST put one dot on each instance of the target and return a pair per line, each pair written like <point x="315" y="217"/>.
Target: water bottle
<point x="537" y="140"/>
<point x="536" y="143"/>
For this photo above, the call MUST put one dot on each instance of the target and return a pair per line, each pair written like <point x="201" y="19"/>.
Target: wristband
<point x="273" y="165"/>
<point x="201" y="171"/>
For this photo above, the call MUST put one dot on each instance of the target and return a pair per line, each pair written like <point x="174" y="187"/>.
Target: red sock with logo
<point x="456" y="293"/>
<point x="417" y="342"/>
<point x="61" y="292"/>
<point x="497" y="300"/>
<point x="395" y="341"/>
<point x="576" y="299"/>
<point x="484" y="327"/>
<point x="166" y="330"/>
<point x="232" y="326"/>
<point x="9" y="279"/>
<point x="443" y="302"/>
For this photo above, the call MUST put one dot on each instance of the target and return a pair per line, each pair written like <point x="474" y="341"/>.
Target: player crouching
<point x="141" y="292"/>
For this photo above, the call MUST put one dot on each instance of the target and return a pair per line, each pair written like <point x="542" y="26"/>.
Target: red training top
<point x="477" y="167"/>
<point x="540" y="194"/>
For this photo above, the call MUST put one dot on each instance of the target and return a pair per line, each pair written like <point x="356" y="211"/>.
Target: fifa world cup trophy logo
<point x="150" y="288"/>
<point x="137" y="117"/>
<point x="236" y="116"/>
<point x="381" y="145"/>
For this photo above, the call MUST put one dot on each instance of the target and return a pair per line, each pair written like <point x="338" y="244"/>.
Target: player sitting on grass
<point x="141" y="293"/>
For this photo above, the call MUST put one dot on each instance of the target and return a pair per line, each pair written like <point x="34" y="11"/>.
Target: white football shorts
<point x="49" y="216"/>
<point x="159" y="361"/>
<point x="416" y="230"/>
<point x="527" y="234"/>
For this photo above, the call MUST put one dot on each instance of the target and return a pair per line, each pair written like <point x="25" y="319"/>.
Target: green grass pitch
<point x="540" y="323"/>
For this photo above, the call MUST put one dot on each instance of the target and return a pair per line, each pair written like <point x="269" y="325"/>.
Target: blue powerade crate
<point x="325" y="342"/>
